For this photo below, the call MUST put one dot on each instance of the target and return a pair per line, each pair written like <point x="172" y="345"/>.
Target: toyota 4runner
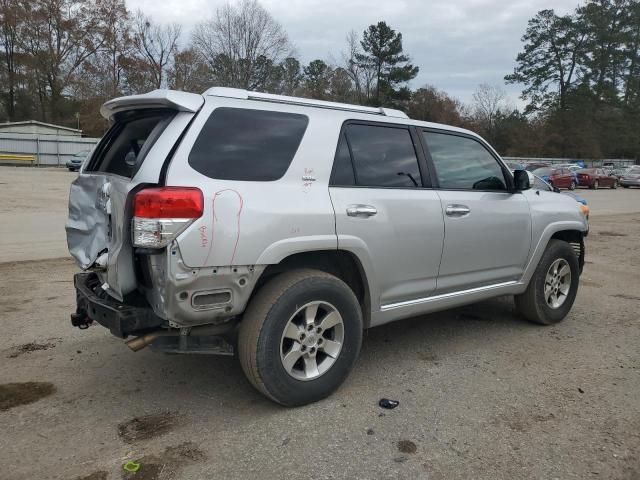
<point x="279" y="228"/>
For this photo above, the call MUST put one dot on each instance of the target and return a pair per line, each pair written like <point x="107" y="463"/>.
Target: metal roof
<point x="42" y="124"/>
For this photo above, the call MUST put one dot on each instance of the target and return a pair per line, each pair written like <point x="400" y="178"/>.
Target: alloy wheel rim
<point x="312" y="340"/>
<point x="557" y="283"/>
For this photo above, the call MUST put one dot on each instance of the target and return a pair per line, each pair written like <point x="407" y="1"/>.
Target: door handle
<point x="361" y="211"/>
<point x="457" y="210"/>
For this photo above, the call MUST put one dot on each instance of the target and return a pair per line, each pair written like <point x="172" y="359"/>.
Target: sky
<point x="458" y="44"/>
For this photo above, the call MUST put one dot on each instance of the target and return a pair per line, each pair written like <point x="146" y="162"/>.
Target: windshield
<point x="541" y="172"/>
<point x="540" y="184"/>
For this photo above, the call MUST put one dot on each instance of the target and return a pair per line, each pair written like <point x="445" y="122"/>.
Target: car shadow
<point x="209" y="380"/>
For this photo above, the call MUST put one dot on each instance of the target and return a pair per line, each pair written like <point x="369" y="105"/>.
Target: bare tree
<point x="188" y="72"/>
<point x="117" y="47"/>
<point x="9" y="14"/>
<point x="156" y="44"/>
<point x="363" y="77"/>
<point x="488" y="102"/>
<point x="240" y="44"/>
<point x="58" y="36"/>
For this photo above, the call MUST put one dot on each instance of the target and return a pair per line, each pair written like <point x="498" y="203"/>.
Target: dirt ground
<point x="483" y="394"/>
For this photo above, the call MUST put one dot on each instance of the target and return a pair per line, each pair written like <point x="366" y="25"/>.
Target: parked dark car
<point x="557" y="177"/>
<point x="75" y="162"/>
<point x="595" y="178"/>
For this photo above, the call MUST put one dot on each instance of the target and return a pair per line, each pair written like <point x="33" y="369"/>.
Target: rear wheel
<point x="614" y="185"/>
<point x="300" y="336"/>
<point x="572" y="186"/>
<point x="596" y="185"/>
<point x="553" y="287"/>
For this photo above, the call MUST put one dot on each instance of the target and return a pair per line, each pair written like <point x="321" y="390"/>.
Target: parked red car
<point x="557" y="177"/>
<point x="596" y="178"/>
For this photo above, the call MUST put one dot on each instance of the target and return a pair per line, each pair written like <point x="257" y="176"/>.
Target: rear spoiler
<point x="173" y="99"/>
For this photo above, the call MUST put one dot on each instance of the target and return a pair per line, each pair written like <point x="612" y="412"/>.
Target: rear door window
<point x="342" y="174"/>
<point x="245" y="144"/>
<point x="382" y="156"/>
<point x="123" y="148"/>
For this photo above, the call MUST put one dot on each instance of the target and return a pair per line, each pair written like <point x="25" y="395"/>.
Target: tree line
<point x="61" y="59"/>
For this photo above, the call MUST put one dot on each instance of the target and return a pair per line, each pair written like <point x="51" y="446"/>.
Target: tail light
<point x="161" y="214"/>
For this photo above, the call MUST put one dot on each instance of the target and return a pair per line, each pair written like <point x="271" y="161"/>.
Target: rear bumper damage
<point x="122" y="318"/>
<point x="136" y="317"/>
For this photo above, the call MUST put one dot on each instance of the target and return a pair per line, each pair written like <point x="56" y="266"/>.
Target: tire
<point x="263" y="340"/>
<point x="596" y="185"/>
<point x="572" y="186"/>
<point x="532" y="304"/>
<point x="625" y="186"/>
<point x="614" y="185"/>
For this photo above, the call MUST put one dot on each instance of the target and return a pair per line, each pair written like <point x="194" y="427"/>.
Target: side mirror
<point x="521" y="180"/>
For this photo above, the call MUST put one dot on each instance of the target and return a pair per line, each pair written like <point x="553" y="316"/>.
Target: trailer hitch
<point x="81" y="320"/>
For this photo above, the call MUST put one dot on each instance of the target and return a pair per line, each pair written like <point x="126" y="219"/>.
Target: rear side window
<point x="123" y="148"/>
<point x="342" y="167"/>
<point x="243" y="144"/>
<point x="381" y="157"/>
<point x="462" y="163"/>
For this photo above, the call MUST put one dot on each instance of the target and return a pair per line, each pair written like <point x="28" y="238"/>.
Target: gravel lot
<point x="482" y="393"/>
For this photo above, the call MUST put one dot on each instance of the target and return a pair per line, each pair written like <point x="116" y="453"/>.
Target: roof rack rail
<point x="305" y="102"/>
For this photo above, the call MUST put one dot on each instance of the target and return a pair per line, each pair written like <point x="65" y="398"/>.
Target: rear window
<point x="123" y="148"/>
<point x="244" y="144"/>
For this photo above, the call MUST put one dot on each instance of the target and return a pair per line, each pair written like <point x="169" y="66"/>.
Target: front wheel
<point x="614" y="185"/>
<point x="553" y="287"/>
<point x="300" y="336"/>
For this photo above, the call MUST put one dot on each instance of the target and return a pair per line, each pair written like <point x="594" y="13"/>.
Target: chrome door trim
<point x="443" y="296"/>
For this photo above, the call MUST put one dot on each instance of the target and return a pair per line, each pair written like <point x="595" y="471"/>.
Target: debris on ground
<point x="388" y="404"/>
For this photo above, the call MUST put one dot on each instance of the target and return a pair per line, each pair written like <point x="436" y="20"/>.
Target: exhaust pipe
<point x="138" y="343"/>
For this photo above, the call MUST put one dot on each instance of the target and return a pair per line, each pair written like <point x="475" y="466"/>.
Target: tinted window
<point x="342" y="166"/>
<point x="123" y="148"/>
<point x="242" y="144"/>
<point x="383" y="156"/>
<point x="463" y="163"/>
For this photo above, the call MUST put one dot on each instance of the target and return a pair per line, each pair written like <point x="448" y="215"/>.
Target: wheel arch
<point x="570" y="232"/>
<point x="341" y="263"/>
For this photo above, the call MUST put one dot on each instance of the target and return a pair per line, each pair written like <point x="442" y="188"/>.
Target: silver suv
<point x="279" y="228"/>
